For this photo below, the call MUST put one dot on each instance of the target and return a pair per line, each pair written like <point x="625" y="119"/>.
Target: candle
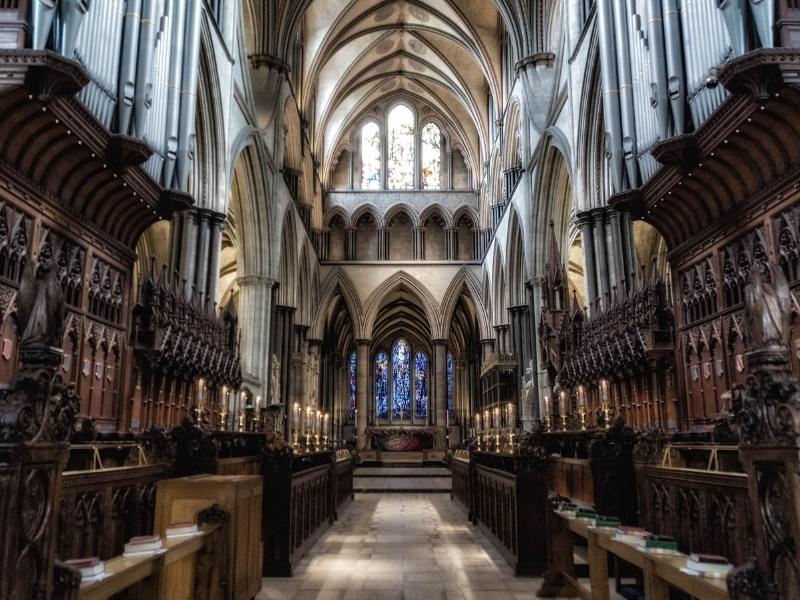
<point x="258" y="402"/>
<point x="486" y="421"/>
<point x="497" y="423"/>
<point x="478" y="423"/>
<point x="510" y="415"/>
<point x="546" y="405"/>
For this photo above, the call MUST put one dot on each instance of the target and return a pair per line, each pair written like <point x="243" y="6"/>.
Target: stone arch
<point x="499" y="292"/>
<point x="515" y="260"/>
<point x="405" y="282"/>
<point x="465" y="282"/>
<point x="337" y="283"/>
<point x="288" y="265"/>
<point x="399" y="208"/>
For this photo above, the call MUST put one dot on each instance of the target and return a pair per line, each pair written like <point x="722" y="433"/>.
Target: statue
<point x="527" y="389"/>
<point x="40" y="306"/>
<point x="768" y="307"/>
<point x="276" y="380"/>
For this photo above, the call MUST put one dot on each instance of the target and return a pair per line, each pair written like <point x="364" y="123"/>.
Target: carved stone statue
<point x="276" y="380"/>
<point x="768" y="306"/>
<point x="40" y="306"/>
<point x="527" y="389"/>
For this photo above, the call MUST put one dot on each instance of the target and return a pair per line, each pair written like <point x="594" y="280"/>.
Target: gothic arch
<point x="465" y="282"/>
<point x="337" y="283"/>
<point x="401" y="281"/>
<point x="433" y="210"/>
<point x="368" y="209"/>
<point x="515" y="260"/>
<point x="401" y="208"/>
<point x="499" y="292"/>
<point x="288" y="268"/>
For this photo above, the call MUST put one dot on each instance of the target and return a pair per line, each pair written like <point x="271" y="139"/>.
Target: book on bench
<point x="707" y="565"/>
<point x="91" y="569"/>
<point x="143" y="545"/>
<point x="177" y="530"/>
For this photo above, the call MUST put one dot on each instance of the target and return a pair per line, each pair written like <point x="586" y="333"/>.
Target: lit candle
<point x="258" y="402"/>
<point x="497" y="424"/>
<point x="546" y="405"/>
<point x="478" y="423"/>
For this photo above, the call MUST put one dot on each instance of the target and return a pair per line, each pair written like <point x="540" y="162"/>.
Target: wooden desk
<point x="146" y="571"/>
<point x="661" y="571"/>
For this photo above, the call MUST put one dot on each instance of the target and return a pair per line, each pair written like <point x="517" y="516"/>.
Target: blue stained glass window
<point x="351" y="378"/>
<point x="451" y="410"/>
<point x="382" y="385"/>
<point x="421" y="385"/>
<point x="401" y="379"/>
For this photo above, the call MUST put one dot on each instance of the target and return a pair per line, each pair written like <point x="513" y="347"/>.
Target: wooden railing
<point x="301" y="496"/>
<point x="510" y="508"/>
<point x="342" y="480"/>
<point x="462" y="481"/>
<point x="706" y="511"/>
<point x="101" y="510"/>
<point x="572" y="478"/>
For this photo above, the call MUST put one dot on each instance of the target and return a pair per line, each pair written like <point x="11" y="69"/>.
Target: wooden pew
<point x="661" y="572"/>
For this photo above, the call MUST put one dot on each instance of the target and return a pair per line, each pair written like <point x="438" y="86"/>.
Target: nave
<point x="408" y="546"/>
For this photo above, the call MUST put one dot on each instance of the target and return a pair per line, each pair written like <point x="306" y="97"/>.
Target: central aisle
<point x="402" y="547"/>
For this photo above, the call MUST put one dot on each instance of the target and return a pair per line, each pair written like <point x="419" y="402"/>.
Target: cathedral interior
<point x="399" y="299"/>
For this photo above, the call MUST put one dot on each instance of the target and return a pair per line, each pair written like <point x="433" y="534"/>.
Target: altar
<point x="401" y="439"/>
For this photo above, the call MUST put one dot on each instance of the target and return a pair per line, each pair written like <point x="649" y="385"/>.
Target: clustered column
<point x="362" y="375"/>
<point x="195" y="248"/>
<point x="609" y="254"/>
<point x="440" y="384"/>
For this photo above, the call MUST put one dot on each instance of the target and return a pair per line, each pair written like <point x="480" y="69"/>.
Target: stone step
<point x="396" y="471"/>
<point x="366" y="485"/>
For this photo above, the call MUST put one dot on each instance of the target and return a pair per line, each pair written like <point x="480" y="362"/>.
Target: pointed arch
<point x="515" y="260"/>
<point x="499" y="292"/>
<point x="288" y="267"/>
<point x="402" y="281"/>
<point x="337" y="283"/>
<point x="465" y="282"/>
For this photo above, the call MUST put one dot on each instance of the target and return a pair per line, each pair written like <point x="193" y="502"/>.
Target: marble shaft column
<point x="176" y="243"/>
<point x="350" y="244"/>
<point x="189" y="249"/>
<point x="362" y="392"/>
<point x="538" y="373"/>
<point x="440" y="384"/>
<point x="203" y="244"/>
<point x="584" y="221"/>
<point x="217" y="225"/>
<point x="598" y="222"/>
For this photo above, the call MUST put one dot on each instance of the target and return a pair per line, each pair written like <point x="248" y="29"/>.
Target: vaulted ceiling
<point x="445" y="53"/>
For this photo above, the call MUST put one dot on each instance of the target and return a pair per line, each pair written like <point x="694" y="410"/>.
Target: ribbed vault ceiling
<point x="359" y="52"/>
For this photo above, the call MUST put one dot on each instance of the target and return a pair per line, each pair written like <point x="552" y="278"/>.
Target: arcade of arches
<point x="516" y="250"/>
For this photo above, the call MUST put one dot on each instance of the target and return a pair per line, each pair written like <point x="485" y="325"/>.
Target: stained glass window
<point x="451" y="409"/>
<point x="401" y="148"/>
<point x="401" y="379"/>
<point x="382" y="385"/>
<point x="351" y="379"/>
<point x="420" y="385"/>
<point x="370" y="156"/>
<point x="431" y="157"/>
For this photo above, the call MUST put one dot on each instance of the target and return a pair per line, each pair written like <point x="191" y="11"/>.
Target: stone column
<point x="176" y="242"/>
<point x="601" y="261"/>
<point x="350" y="244"/>
<point x="440" y="387"/>
<point x="616" y="253"/>
<point x="584" y="221"/>
<point x="383" y="243"/>
<point x="189" y="248"/>
<point x="203" y="243"/>
<point x="362" y="391"/>
<point x="418" y="243"/>
<point x="255" y="307"/>
<point x="217" y="225"/>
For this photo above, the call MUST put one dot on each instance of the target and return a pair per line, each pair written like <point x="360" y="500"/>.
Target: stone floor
<point x="402" y="547"/>
<point x="402" y="471"/>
